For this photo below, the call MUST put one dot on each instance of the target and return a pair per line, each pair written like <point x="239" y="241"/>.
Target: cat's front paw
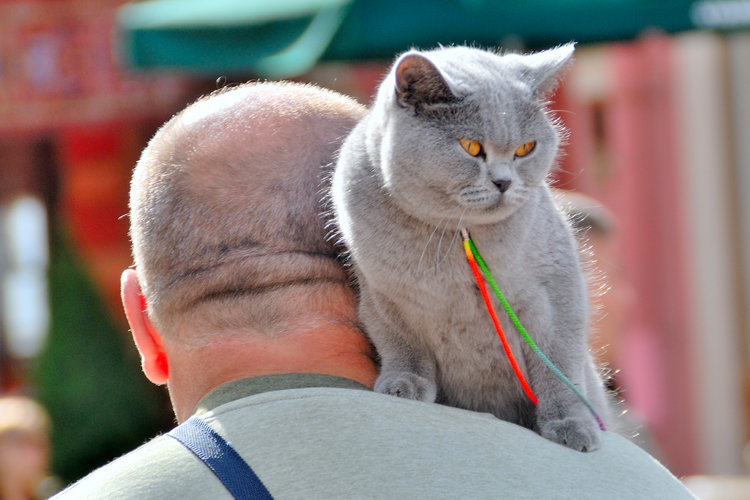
<point x="577" y="433"/>
<point x="406" y="385"/>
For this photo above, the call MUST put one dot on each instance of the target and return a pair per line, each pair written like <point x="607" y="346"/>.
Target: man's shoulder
<point x="341" y="443"/>
<point x="403" y="448"/>
<point x="146" y="472"/>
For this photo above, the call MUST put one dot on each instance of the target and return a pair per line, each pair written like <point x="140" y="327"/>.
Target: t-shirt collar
<point x="245" y="387"/>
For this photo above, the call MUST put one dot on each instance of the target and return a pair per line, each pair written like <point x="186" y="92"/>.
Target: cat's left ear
<point x="419" y="81"/>
<point x="547" y="67"/>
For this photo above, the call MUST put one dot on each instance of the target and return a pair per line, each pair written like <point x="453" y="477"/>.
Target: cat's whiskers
<point x="433" y="234"/>
<point x="440" y="243"/>
<point x="455" y="233"/>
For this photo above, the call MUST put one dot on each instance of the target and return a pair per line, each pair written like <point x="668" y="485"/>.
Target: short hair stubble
<point x="225" y="210"/>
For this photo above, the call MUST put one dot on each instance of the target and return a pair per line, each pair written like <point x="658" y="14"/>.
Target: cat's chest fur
<point x="422" y="270"/>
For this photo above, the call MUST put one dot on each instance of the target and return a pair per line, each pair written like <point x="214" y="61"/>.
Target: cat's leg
<point x="407" y="367"/>
<point x="565" y="421"/>
<point x="407" y="378"/>
<point x="561" y="416"/>
<point x="604" y="401"/>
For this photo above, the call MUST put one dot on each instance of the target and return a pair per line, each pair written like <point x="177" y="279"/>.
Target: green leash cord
<point x="525" y="335"/>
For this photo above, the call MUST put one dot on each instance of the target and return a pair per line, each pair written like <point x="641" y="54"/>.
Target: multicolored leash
<point x="495" y="321"/>
<point x="472" y="254"/>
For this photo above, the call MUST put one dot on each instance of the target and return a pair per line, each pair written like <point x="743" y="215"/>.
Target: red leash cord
<point x="506" y="346"/>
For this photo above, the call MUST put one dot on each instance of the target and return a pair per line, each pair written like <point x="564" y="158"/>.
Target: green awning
<point x="285" y="38"/>
<point x="273" y="39"/>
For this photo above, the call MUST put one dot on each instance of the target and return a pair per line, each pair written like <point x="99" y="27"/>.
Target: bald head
<point x="225" y="212"/>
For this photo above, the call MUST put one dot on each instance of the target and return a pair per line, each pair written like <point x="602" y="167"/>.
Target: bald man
<point x="238" y="303"/>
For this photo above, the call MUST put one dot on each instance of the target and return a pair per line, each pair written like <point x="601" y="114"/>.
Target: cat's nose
<point x="502" y="184"/>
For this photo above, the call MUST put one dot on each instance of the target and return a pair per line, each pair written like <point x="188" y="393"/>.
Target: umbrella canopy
<point x="285" y="38"/>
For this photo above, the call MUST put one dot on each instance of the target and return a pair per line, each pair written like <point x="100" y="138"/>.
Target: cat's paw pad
<point x="406" y="385"/>
<point x="576" y="433"/>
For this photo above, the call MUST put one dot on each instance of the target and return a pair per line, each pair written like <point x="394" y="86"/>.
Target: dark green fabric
<point x="155" y="35"/>
<point x="383" y="28"/>
<point x="89" y="378"/>
<point x="277" y="39"/>
<point x="266" y="383"/>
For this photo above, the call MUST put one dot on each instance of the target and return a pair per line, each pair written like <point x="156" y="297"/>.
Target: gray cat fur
<point x="402" y="189"/>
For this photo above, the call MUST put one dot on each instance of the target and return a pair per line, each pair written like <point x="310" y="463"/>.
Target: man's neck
<point x="337" y="350"/>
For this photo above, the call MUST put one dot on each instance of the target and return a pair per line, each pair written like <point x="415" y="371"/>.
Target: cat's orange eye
<point x="471" y="147"/>
<point x="525" y="149"/>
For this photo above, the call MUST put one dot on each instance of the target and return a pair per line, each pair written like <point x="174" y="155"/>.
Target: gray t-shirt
<point x="319" y="437"/>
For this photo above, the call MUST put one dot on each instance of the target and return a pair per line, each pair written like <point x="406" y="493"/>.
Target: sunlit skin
<point x="24" y="463"/>
<point x="320" y="336"/>
<point x="338" y="350"/>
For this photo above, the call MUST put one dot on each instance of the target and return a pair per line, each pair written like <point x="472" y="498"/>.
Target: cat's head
<point x="465" y="132"/>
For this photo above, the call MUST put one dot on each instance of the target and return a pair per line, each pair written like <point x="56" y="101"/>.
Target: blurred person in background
<point x="25" y="450"/>
<point x="613" y="298"/>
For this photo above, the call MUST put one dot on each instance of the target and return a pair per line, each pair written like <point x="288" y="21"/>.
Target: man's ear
<point x="147" y="339"/>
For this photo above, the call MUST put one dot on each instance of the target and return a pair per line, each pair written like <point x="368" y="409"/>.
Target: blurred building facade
<point x="659" y="134"/>
<point x="72" y="125"/>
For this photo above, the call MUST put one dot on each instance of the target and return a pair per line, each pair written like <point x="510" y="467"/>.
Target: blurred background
<point x="657" y="104"/>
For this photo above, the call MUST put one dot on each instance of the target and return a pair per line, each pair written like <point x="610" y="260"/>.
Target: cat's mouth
<point x="481" y="198"/>
<point x="487" y="205"/>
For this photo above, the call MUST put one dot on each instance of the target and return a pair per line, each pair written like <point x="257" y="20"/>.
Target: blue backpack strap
<point x="221" y="458"/>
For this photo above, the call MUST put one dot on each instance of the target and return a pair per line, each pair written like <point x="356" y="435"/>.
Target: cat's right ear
<point x="419" y="82"/>
<point x="546" y="68"/>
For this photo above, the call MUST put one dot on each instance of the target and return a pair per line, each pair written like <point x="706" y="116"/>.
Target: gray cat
<point x="460" y="137"/>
